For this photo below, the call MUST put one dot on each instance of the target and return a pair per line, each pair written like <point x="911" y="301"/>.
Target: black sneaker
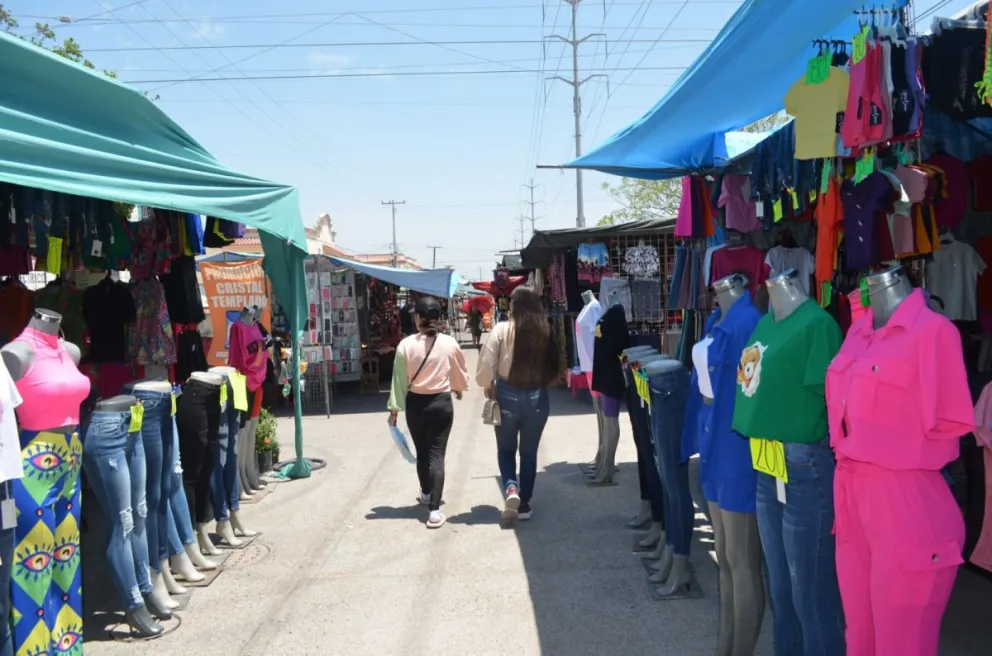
<point x="524" y="512"/>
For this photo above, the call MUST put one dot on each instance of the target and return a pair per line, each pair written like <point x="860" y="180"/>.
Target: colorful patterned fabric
<point x="46" y="584"/>
<point x="151" y="338"/>
<point x="153" y="248"/>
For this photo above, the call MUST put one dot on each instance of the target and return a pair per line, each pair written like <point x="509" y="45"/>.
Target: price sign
<point x="137" y="416"/>
<point x="818" y="69"/>
<point x="860" y="45"/>
<point x="777" y="212"/>
<point x="768" y="457"/>
<point x="828" y="168"/>
<point x="865" y="165"/>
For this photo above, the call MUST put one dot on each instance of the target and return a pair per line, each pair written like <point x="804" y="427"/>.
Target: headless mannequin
<point x="609" y="440"/>
<point x="228" y="529"/>
<point x="652" y="366"/>
<point x="639" y="354"/>
<point x="656" y="534"/>
<point x="181" y="563"/>
<point x="785" y="294"/>
<point x="203" y="529"/>
<point x="587" y="298"/>
<point x="248" y="473"/>
<point x="19" y="357"/>
<point x="887" y="290"/>
<point x="738" y="546"/>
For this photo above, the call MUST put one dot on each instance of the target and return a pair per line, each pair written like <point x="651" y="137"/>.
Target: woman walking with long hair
<point x="516" y="367"/>
<point x="429" y="367"/>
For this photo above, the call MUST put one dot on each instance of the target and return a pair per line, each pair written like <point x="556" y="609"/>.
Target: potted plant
<point x="266" y="443"/>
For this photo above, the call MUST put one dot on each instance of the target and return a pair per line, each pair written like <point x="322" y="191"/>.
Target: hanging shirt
<point x="745" y="260"/>
<point x="829" y="215"/>
<point x="594" y="262"/>
<point x="108" y="308"/>
<point x="980" y="178"/>
<point x="683" y="222"/>
<point x="952" y="64"/>
<point x="864" y="205"/>
<point x="246" y="353"/>
<point x="10" y="442"/>
<point x="642" y="261"/>
<point x="585" y="333"/>
<point x="815" y="107"/>
<point x="783" y="258"/>
<point x="780" y="393"/>
<point x="954" y="205"/>
<point x="953" y="277"/>
<point x="735" y="199"/>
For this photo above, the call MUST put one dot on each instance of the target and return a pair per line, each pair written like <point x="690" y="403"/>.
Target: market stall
<point x="97" y="178"/>
<point x="862" y="219"/>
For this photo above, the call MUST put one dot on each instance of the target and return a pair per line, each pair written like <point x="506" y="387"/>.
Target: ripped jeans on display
<point x="114" y="460"/>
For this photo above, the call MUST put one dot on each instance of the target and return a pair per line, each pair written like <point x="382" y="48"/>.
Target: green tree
<point x="659" y="199"/>
<point x="44" y="37"/>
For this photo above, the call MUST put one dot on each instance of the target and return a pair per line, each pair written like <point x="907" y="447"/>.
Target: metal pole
<point x="394" y="203"/>
<point x="434" y="261"/>
<point x="576" y="84"/>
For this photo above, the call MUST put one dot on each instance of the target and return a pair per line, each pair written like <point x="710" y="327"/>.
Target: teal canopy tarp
<point x="440" y="283"/>
<point x="69" y="129"/>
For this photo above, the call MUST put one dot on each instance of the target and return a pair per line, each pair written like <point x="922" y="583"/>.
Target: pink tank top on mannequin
<point x="53" y="388"/>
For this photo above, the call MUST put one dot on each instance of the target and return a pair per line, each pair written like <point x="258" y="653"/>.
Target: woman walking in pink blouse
<point x="429" y="368"/>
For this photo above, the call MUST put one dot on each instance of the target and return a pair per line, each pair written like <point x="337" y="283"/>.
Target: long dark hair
<point x="536" y="363"/>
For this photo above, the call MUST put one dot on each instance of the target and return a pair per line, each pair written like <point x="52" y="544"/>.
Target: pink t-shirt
<point x="683" y="222"/>
<point x="898" y="397"/>
<point x="746" y="260"/>
<point x="735" y="198"/>
<point x="246" y="353"/>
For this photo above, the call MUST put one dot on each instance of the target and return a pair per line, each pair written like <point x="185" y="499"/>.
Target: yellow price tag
<point x="173" y="396"/>
<point x="768" y="457"/>
<point x="795" y="200"/>
<point x="223" y="395"/>
<point x="599" y="333"/>
<point x="860" y="42"/>
<point x="777" y="210"/>
<point x="137" y="416"/>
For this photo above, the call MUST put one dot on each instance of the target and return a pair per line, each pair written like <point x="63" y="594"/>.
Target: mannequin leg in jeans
<point x="524" y="414"/>
<point x="742" y="589"/>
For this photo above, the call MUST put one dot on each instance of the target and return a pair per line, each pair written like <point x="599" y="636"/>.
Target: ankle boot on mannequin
<point x="142" y="623"/>
<point x="679" y="579"/>
<point x="171" y="585"/>
<point x="160" y="594"/>
<point x="654" y="536"/>
<point x="203" y="539"/>
<point x="239" y="527"/>
<point x="226" y="533"/>
<point x="643" y="517"/>
<point x="254" y="479"/>
<point x="663" y="568"/>
<point x="182" y="566"/>
<point x="198" y="559"/>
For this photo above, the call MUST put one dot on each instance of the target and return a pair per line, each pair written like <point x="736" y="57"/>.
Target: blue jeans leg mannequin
<point x="114" y="460"/>
<point x="155" y="428"/>
<point x="219" y="495"/>
<point x="799" y="553"/>
<point x="524" y="413"/>
<point x="669" y="396"/>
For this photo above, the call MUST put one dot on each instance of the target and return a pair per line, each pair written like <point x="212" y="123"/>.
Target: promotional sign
<point x="230" y="287"/>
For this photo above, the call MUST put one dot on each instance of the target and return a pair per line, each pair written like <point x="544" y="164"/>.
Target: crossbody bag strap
<point x="426" y="355"/>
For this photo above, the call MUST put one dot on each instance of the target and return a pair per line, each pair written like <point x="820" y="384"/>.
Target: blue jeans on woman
<point x="180" y="522"/>
<point x="669" y="397"/>
<point x="523" y="415"/>
<point x="799" y="553"/>
<point x="114" y="460"/>
<point x="156" y="439"/>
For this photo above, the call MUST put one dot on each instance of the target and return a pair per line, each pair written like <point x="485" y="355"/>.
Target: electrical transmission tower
<point x="576" y="84"/>
<point x="533" y="204"/>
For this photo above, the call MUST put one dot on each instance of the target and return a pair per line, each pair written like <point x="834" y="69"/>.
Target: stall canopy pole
<point x="323" y="317"/>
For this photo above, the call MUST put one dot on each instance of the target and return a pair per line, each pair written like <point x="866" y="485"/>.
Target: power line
<point x="322" y="76"/>
<point x="364" y="44"/>
<point x="268" y="22"/>
<point x="105" y="12"/>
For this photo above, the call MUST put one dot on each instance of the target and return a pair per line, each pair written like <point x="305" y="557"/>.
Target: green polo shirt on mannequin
<point x="780" y="378"/>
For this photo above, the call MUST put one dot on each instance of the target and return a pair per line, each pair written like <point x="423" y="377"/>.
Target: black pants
<point x="429" y="418"/>
<point x="198" y="421"/>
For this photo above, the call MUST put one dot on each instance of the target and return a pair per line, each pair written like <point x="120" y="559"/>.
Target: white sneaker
<point x="436" y="519"/>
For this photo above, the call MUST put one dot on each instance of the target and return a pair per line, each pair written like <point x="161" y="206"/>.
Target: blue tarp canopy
<point x="440" y="283"/>
<point x="742" y="76"/>
<point x="69" y="129"/>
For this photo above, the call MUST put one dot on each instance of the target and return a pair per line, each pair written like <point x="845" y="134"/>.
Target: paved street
<point x="353" y="570"/>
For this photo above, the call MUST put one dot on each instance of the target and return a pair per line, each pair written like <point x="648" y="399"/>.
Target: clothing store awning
<point x="742" y="76"/>
<point x="546" y="243"/>
<point x="73" y="130"/>
<point x="440" y="283"/>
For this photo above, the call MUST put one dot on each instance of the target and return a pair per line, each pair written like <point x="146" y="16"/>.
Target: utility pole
<point x="394" y="203"/>
<point x="532" y="204"/>
<point x="576" y="84"/>
<point x="434" y="260"/>
<point x="523" y="242"/>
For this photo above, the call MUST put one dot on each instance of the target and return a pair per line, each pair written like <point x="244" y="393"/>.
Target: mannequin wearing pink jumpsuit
<point x="898" y="402"/>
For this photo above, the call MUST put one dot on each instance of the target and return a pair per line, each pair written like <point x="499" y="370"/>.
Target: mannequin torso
<point x="209" y="378"/>
<point x="121" y="403"/>
<point x="887" y="290"/>
<point x="159" y="386"/>
<point x="19" y="356"/>
<point x="785" y="294"/>
<point x="728" y="291"/>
